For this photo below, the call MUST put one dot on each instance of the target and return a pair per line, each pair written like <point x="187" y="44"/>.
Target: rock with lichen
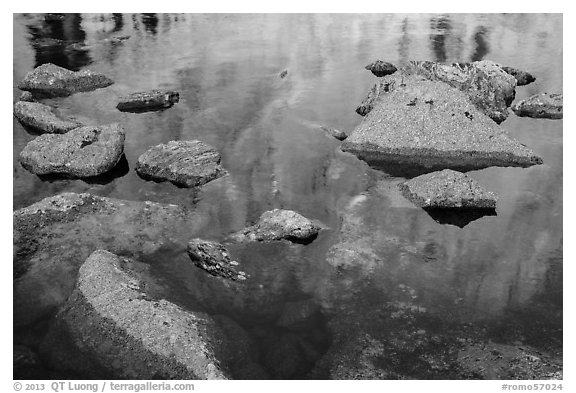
<point x="214" y="258"/>
<point x="542" y="106"/>
<point x="148" y="101"/>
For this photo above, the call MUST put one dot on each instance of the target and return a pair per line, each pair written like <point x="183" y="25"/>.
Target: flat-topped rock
<point x="381" y="68"/>
<point x="184" y="163"/>
<point x="543" y="106"/>
<point x="280" y="224"/>
<point x="447" y="189"/>
<point x="430" y="125"/>
<point x="522" y="77"/>
<point x="214" y="258"/>
<point x="43" y="118"/>
<point x="148" y="101"/>
<point x="50" y="80"/>
<point x="81" y="152"/>
<point x="109" y="327"/>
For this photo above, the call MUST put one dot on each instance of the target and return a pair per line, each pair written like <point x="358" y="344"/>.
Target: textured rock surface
<point x="109" y="327"/>
<point x="43" y="118"/>
<point x="149" y="100"/>
<point x="214" y="258"/>
<point x="184" y="163"/>
<point x="429" y="124"/>
<point x="54" y="236"/>
<point x="26" y="96"/>
<point x="381" y="68"/>
<point x="333" y="132"/>
<point x="522" y="77"/>
<point x="53" y="81"/>
<point x="447" y="189"/>
<point x="82" y="152"/>
<point x="280" y="224"/>
<point x="545" y="106"/>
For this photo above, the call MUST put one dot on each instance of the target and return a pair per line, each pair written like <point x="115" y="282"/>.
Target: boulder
<point x="381" y="68"/>
<point x="544" y="106"/>
<point x="55" y="235"/>
<point x="82" y="152"/>
<point x="522" y="77"/>
<point x="110" y="328"/>
<point x="147" y="101"/>
<point x="214" y="258"/>
<point x="334" y="133"/>
<point x="447" y="189"/>
<point x="43" y="118"/>
<point x="279" y="224"/>
<point x="50" y="80"/>
<point x="184" y="163"/>
<point x="430" y="125"/>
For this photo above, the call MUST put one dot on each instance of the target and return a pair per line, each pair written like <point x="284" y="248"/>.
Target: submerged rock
<point x="43" y="118"/>
<point x="147" y="101"/>
<point x="447" y="189"/>
<point x="340" y="135"/>
<point x="299" y="315"/>
<point x="184" y="163"/>
<point x="280" y="224"/>
<point x="430" y="125"/>
<point x="54" y="236"/>
<point x="109" y="327"/>
<point x="82" y="152"/>
<point x="283" y="74"/>
<point x="522" y="77"/>
<point x="544" y="106"/>
<point x="53" y="81"/>
<point x="381" y="68"/>
<point x="214" y="258"/>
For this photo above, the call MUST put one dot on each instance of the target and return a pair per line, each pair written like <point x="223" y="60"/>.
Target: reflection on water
<point x="380" y="250"/>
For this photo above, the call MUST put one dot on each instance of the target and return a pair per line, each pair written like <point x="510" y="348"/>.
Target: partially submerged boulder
<point x="381" y="68"/>
<point x="54" y="236"/>
<point x="109" y="327"/>
<point x="50" y="80"/>
<point x="214" y="258"/>
<point x="148" y="101"/>
<point x="522" y="77"/>
<point x="432" y="126"/>
<point x="43" y="118"/>
<point x="334" y="133"/>
<point x="82" y="152"/>
<point x="280" y="224"/>
<point x="184" y="163"/>
<point x="447" y="189"/>
<point x="544" y="106"/>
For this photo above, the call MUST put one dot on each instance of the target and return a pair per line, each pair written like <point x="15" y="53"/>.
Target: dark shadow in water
<point x="457" y="216"/>
<point x="482" y="46"/>
<point x="121" y="169"/>
<point x="53" y="41"/>
<point x="150" y="22"/>
<point x="118" y="22"/>
<point x="443" y="27"/>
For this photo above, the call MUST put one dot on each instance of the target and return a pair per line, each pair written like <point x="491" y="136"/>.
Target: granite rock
<point x="43" y="118"/>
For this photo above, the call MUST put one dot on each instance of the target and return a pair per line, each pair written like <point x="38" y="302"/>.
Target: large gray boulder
<point x="184" y="163"/>
<point x="43" y="118"/>
<point x="82" y="152"/>
<point x="148" y="101"/>
<point x="54" y="236"/>
<point x="110" y="327"/>
<point x="279" y="224"/>
<point x="447" y="189"/>
<point x="544" y="106"/>
<point x="50" y="80"/>
<point x="428" y="124"/>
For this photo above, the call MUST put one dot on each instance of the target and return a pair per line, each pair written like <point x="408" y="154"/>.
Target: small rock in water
<point x="340" y="135"/>
<point x="213" y="258"/>
<point x="543" y="106"/>
<point x="50" y="80"/>
<point x="381" y="68"/>
<point x="43" y="118"/>
<point x="149" y="100"/>
<point x="283" y="74"/>
<point x="280" y="224"/>
<point x="522" y="77"/>
<point x="27" y="97"/>
<point x="184" y="163"/>
<point x="82" y="152"/>
<point x="447" y="189"/>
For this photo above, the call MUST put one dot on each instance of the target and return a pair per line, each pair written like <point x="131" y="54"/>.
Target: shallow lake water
<point x="502" y="272"/>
